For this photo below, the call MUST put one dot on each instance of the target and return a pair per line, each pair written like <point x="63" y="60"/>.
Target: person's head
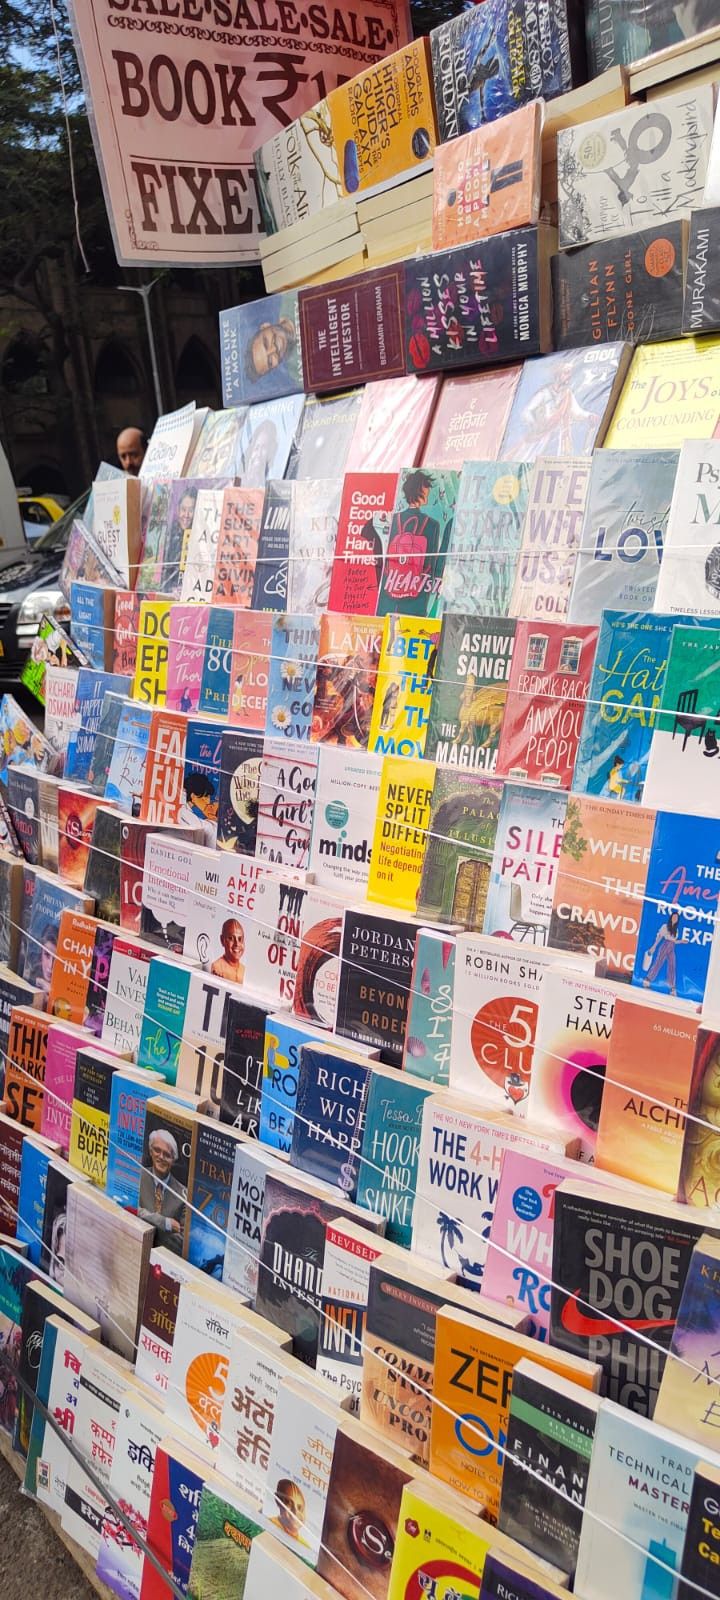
<point x="262" y="449"/>
<point x="200" y="793"/>
<point x="131" y="445"/>
<point x="47" y="953"/>
<point x="163" y="1152"/>
<point x="57" y="1247"/>
<point x="290" y="1502"/>
<point x="269" y="347"/>
<point x="232" y="939"/>
<point x="186" y="510"/>
<point x="417" y="488"/>
<point x="673" y="921"/>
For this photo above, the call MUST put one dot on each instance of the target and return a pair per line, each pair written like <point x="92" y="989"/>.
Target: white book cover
<point x="60" y="714"/>
<point x="495" y="1008"/>
<point x="242" y="1249"/>
<point x="62" y="1402"/>
<point x="572" y="1041"/>
<point x="551" y="532"/>
<point x="170" y="443"/>
<point x="201" y="1056"/>
<point x="106" y="1252"/>
<point x="102" y="1385"/>
<point x="255" y="1375"/>
<point x="348" y="786"/>
<point x="298" y="1478"/>
<point x="168" y="881"/>
<point x="125" y="998"/>
<point x="116" y="522"/>
<point x="636" y="168"/>
<point x="157" y="1323"/>
<point x="318" y="975"/>
<point x="457" y="1183"/>
<point x="221" y="899"/>
<point x="636" y="1507"/>
<point x="346" y="1282"/>
<point x="711" y="192"/>
<point x="140" y="1427"/>
<point x="298" y="170"/>
<point x="199" y="569"/>
<point x="313" y="536"/>
<point x="274" y="943"/>
<point x="689" y="578"/>
<point x="204" y="1329"/>
<point x="268" y="1575"/>
<point x="286" y="800"/>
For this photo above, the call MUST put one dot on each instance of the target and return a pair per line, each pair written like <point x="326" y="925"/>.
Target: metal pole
<point x="144" y="291"/>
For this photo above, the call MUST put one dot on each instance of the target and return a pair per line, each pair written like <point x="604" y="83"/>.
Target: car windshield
<point x="57" y="535"/>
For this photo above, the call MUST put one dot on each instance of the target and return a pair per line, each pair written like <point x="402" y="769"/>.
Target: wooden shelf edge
<point x="79" y="1556"/>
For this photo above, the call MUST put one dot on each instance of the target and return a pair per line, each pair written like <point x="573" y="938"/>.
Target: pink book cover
<point x="249" y="671"/>
<point x="519" y="1263"/>
<point x="471" y="417"/>
<point x="125" y="630"/>
<point x="237" y="547"/>
<point x="548" y="687"/>
<point x="186" y="655"/>
<point x="366" y="507"/>
<point x="62" y="1048"/>
<point x="392" y="424"/>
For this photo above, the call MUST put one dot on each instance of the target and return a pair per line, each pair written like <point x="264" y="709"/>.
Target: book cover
<point x="485" y="66"/>
<point x="363" y="525"/>
<point x="627" y="32"/>
<point x="198" y="575"/>
<point x="563" y="404"/>
<point x="162" y="794"/>
<point x="10" y="1158"/>
<point x="243" y="1065"/>
<point x="112" y="708"/>
<point x="349" y="1251"/>
<point x="348" y="654"/>
<point x="679" y="909"/>
<point x="346" y="803"/>
<point x="167" y="883"/>
<point x="403" y="688"/>
<point x="688" y="1390"/>
<point x="116" y="524"/>
<point x="488" y="180"/>
<point x="216" y="443"/>
<point x="34" y="1162"/>
<point x="401" y="838"/>
<point x="23" y="805"/>
<point x="201" y="779"/>
<point x="281" y="1063"/>
<point x="623" y="534"/>
<point x="315" y="508"/>
<point x="52" y="650"/>
<point x="527" y="846"/>
<point x="67" y="995"/>
<point x="63" y="1042"/>
<point x="217" y="664"/>
<point x="163" y="1017"/>
<point x="240" y="1269"/>
<point x="701" y="310"/>
<point x="125" y="630"/>
<point x="84" y="559"/>
<point x="126" y="987"/>
<point x="471" y="416"/>
<point x="209" y="1186"/>
<point x="318" y="966"/>
<point x="550" y="540"/>
<point x="271" y="569"/>
<point x="478" y="303"/>
<point x="598" y="202"/>
<point x="601" y="882"/>
<point x="168" y="1143"/>
<point x="91" y="622"/>
<point x="151" y="664"/>
<point x="362" y="1513"/>
<point x="90" y="691"/>
<point x="182" y="506"/>
<point x="389" y="1151"/>
<point x="671" y="394"/>
<point x="50" y="900"/>
<point x="249" y="672"/>
<point x="102" y="1384"/>
<point x="469" y="692"/>
<point x="391" y="425"/>
<point x="106" y="1256"/>
<point x="128" y="762"/>
<point x="417" y="545"/>
<point x="459" y="846"/>
<point x="139" y="1431"/>
<point x="480" y="564"/>
<point x="688" y="578"/>
<point x="384" y="119"/>
<point x="519" y="1263"/>
<point x="678" y="772"/>
<point x="61" y="718"/>
<point x="158" y="1317"/>
<point x="496" y="996"/>
<point x="440" y="1545"/>
<point x="130" y="1090"/>
<point x="237" y="547"/>
<point x="24" y="1085"/>
<point x="238" y="791"/>
<point x="297" y="173"/>
<point x="430" y="1008"/>
<point x="102" y="873"/>
<point x="90" y="1119"/>
<point x="177" y="1485"/>
<point x="550" y="1434"/>
<point x="155" y="515"/>
<point x="76" y="816"/>
<point x="186" y="656"/>
<point x="324" y="435"/>
<point x="260" y="347"/>
<point x="547" y="690"/>
<point x="621" y="716"/>
<point x="292" y="676"/>
<point x="298" y="1480"/>
<point x="284" y="802"/>
<point x="256" y="1373"/>
<point x="703" y="1530"/>
<point x="224" y="1538"/>
<point x="645" y="1094"/>
<point x="570" y="1055"/>
<point x="375" y="966"/>
<point x="352" y="331"/>
<point x="629" y="287"/>
<point x="329" y="1115"/>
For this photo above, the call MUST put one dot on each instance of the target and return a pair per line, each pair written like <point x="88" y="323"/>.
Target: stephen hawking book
<point x="547" y="690"/>
<point x="701" y="312"/>
<point x="671" y="394"/>
<point x="624" y="288"/>
<point x="375" y="972"/>
<point x="260" y="349"/>
<point x="484" y="66"/>
<point x="329" y="1115"/>
<point x="570" y="1055"/>
<point x="688" y="1391"/>
<point x="689" y="578"/>
<point x="550" y="539"/>
<point x="362" y="535"/>
<point x="458" y="849"/>
<point x="351" y="331"/>
<point x="645" y="1094"/>
<point x="471" y="416"/>
<point x="401" y="706"/>
<point x="479" y="303"/>
<point x="488" y="180"/>
<point x="480" y="564"/>
<point x="680" y="906"/>
<point x="623" y="533"/>
<point x="522" y="878"/>
<point x="563" y="404"/>
<point x="346" y="796"/>
<point x="550" y="1434"/>
<point x="292" y="676"/>
<point x="601" y="882"/>
<point x="495" y="1000"/>
<point x="417" y="544"/>
<point x="626" y="688"/>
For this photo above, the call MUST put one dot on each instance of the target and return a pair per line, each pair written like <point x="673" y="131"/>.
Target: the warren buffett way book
<point x="680" y="906"/>
<point x="470" y="692"/>
<point x="645" y="1095"/>
<point x="623" y="533"/>
<point x="629" y="287"/>
<point x="688" y="1396"/>
<point x="471" y="416"/>
<point x="570" y="1055"/>
<point x="417" y="543"/>
<point x="487" y="65"/>
<point x="488" y="180"/>
<point x="671" y="394"/>
<point x="550" y="540"/>
<point x="689" y="578"/>
<point x="547" y="690"/>
<point x="352" y="331"/>
<point x="600" y="884"/>
<point x="550" y="1435"/>
<point x="479" y="303"/>
<point x="480" y="564"/>
<point x="685" y="732"/>
<point x="623" y="705"/>
<point x="563" y="404"/>
<point x="495" y="1008"/>
<point x="701" y="312"/>
<point x="664" y="149"/>
<point x="524" y="864"/>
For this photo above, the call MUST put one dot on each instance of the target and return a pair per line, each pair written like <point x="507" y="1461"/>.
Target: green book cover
<point x="223" y="1541"/>
<point x="469" y="692"/>
<point x="459" y="852"/>
<point x="485" y="541"/>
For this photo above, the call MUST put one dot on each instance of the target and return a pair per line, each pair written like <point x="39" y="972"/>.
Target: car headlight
<point x="44" y="601"/>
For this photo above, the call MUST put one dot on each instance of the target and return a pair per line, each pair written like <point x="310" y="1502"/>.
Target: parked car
<point x="40" y="511"/>
<point x="29" y="588"/>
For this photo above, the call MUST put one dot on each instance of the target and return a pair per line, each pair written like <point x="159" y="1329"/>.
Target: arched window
<point x="115" y="374"/>
<point x="196" y="376"/>
<point x="23" y="368"/>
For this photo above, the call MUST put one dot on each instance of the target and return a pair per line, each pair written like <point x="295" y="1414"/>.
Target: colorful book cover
<point x="684" y="737"/>
<point x="349" y="1252"/>
<point x="519" y="1263"/>
<point x="270" y="587"/>
<point x="325" y="434"/>
<point x="167" y="881"/>
<point x="376" y="960"/>
<point x="621" y="715"/>
<point x="488" y="180"/>
<point x="393" y="94"/>
<point x="52" y="648"/>
<point x="238" y="791"/>
<point x="177" y="1485"/>
<point x="61" y="718"/>
<point x="348" y="655"/>
<point x="249" y="672"/>
<point x="478" y="303"/>
<point x="399" y="1353"/>
<point x="90" y="1124"/>
<point x="125" y="630"/>
<point x="437" y="1546"/>
<point x="469" y="692"/>
<point x="76" y="817"/>
<point x="401" y="837"/>
<point x="151" y="662"/>
<point x="564" y="402"/>
<point x="698" y="1185"/>
<point x="105" y="741"/>
<point x="623" y="533"/>
<point x="460" y="840"/>
<point x="346" y="803"/>
<point x="216" y="447"/>
<point x="389" y="1151"/>
<point x="202" y="545"/>
<point x="418" y="540"/>
<point x="547" y="690"/>
<point x="645" y="1096"/>
<point x="296" y="1492"/>
<point x="313" y="536"/>
<point x="330" y="1115"/>
<point x="125" y="995"/>
<point x="550" y="539"/>
<point x="162" y="795"/>
<point x="480" y="564"/>
<point x="703" y="1531"/>
<point x="34" y="1163"/>
<point x="403" y="689"/>
<point x="219" y="912"/>
<point x="237" y="547"/>
<point x="284" y="1037"/>
<point x="284" y="801"/>
<point x="223" y="1541"/>
<point x="23" y="805"/>
<point x="471" y="416"/>
<point x="155" y="516"/>
<point x="201" y="781"/>
<point x="392" y="421"/>
<point x="217" y="665"/>
<point x="243" y="1065"/>
<point x="550" y="1435"/>
<point x="297" y="175"/>
<point x="630" y="287"/>
<point x="163" y="1018"/>
<point x="495" y="1011"/>
<point x="679" y="908"/>
<point x="671" y="394"/>
<point x="369" y="309"/>
<point x="186" y="656"/>
<point x="485" y="66"/>
<point x="260" y="349"/>
<point x="158" y="1317"/>
<point x="570" y="1055"/>
<point x="596" y="912"/>
<point x="688" y="1391"/>
<point x="524" y="865"/>
<point x="266" y="439"/>
<point x="292" y="676"/>
<point x="130" y="1091"/>
<point x="689" y="578"/>
<point x="126" y="774"/>
<point x="366" y="506"/>
<point x="366" y="1482"/>
<point x="91" y="622"/>
<point x="209" y="1186"/>
<point x="116" y="523"/>
<point x="176" y="537"/>
<point x="24" y="1086"/>
<point x="90" y="692"/>
<point x="430" y="1008"/>
<point x="140" y="1428"/>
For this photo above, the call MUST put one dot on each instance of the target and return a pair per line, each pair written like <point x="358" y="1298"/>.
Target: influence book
<point x="601" y="882"/>
<point x="547" y="690"/>
<point x="401" y="836"/>
<point x="417" y="543"/>
<point x="667" y="417"/>
<point x="527" y="845"/>
<point x="687" y="1400"/>
<point x="348" y="654"/>
<point x="623" y="534"/>
<point x="488" y="180"/>
<point x="370" y="310"/>
<point x="631" y="287"/>
<point x="363" y="525"/>
<point x="570" y="1054"/>
<point x="459" y="847"/>
<point x="484" y="66"/>
<point x="496" y="996"/>
<point x="376" y="961"/>
<point x="701" y="310"/>
<point x="349" y="1252"/>
<point x="622" y="712"/>
<point x="680" y="905"/>
<point x="480" y="564"/>
<point x="689" y="578"/>
<point x="330" y="1115"/>
<point x="430" y="1007"/>
<point x="471" y="416"/>
<point x="479" y="303"/>
<point x="403" y="688"/>
<point x="292" y="676"/>
<point x="550" y="540"/>
<point x="547" y="1463"/>
<point x="645" y="1095"/>
<point x="564" y="403"/>
<point x="387" y="1170"/>
<point x="367" y="1478"/>
<point x="346" y="803"/>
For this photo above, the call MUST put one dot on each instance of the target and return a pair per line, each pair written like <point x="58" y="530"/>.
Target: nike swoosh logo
<point x="575" y="1321"/>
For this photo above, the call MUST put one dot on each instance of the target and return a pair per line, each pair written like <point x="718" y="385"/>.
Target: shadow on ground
<point x="32" y="1559"/>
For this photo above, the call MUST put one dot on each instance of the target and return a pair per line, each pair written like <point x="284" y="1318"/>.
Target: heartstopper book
<point x="600" y="884"/>
<point x="625" y="695"/>
<point x="480" y="564"/>
<point x="685" y="739"/>
<point x="420" y="530"/>
<point x="680" y="907"/>
<point x="527" y="846"/>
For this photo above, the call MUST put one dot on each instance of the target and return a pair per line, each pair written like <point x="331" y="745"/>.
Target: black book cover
<point x="701" y="313"/>
<point x="549" y="1444"/>
<point x="13" y="992"/>
<point x="616" y="1265"/>
<point x="102" y="873"/>
<point x="52" y="1254"/>
<point x="700" y="1567"/>
<point x="164" y="1187"/>
<point x="37" y="1307"/>
<point x="243" y="1066"/>
<point x="23" y="801"/>
<point x="475" y="305"/>
<point x="376" y="962"/>
<point x="29" y="885"/>
<point x="11" y="887"/>
<point x="621" y="31"/>
<point x="628" y="288"/>
<point x="270" y="584"/>
<point x="238" y="794"/>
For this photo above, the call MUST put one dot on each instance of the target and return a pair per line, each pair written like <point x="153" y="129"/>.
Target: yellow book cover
<point x="400" y="837"/>
<point x="151" y="662"/>
<point x="403" y="689"/>
<point x="89" y="1134"/>
<point x="472" y="1384"/>
<point x="441" y="1549"/>
<point x="645" y="1094"/>
<point x="383" y="120"/>
<point x="671" y="393"/>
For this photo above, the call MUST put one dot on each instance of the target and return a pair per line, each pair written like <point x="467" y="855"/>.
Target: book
<point x="175" y="1493"/>
<point x="550" y="540"/>
<point x="241" y="1264"/>
<point x="24" y="1085"/>
<point x="125" y="628"/>
<point x="393" y="94"/>
<point x="687" y="1397"/>
<point x="623" y="535"/>
<point x="285" y="801"/>
<point x="284" y="1037"/>
<point x="697" y="1565"/>
<point x="469" y="692"/>
<point x="61" y="718"/>
<point x="496" y="995"/>
<point x="401" y="838"/>
<point x="701" y="312"/>
<point x="362" y="535"/>
<point x="237" y="547"/>
<point x="444" y="1541"/>
<point x="570" y="1054"/>
<point x="85" y="559"/>
<point x="670" y="395"/>
<point x="207" y="1318"/>
<point x="329" y="1115"/>
<point x="524" y="865"/>
<point x="517" y="1271"/>
<point x="130" y="1089"/>
<point x="315" y="507"/>
<point x="127" y="981"/>
<point x="116" y="524"/>
<point x="376" y="961"/>
<point x="673" y="944"/>
<point x="225" y="1533"/>
<point x="503" y="1575"/>
<point x="391" y="425"/>
<point x="140" y="1428"/>
<point x="596" y="913"/>
<point x="209" y="1185"/>
<point x="292" y="676"/>
<point x="367" y="1478"/>
<point x="550" y="1435"/>
<point x="34" y="1162"/>
<point x="348" y="653"/>
<point x="564" y="403"/>
<point x="401" y="706"/>
<point x="168" y="1141"/>
<point x="270" y="1563"/>
<point x="217" y="664"/>
<point x="628" y="287"/>
<point x="260" y="349"/>
<point x="151" y="664"/>
<point x="417" y="543"/>
<point x="488" y="180"/>
<point x="430" y="1007"/>
<point x="547" y="689"/>
<point x="216" y="447"/>
<point x="52" y="650"/>
<point x="484" y="67"/>
<point x="23" y="805"/>
<point x="458" y="852"/>
<point x="324" y="435"/>
<point x="243" y="1065"/>
<point x="387" y="1169"/>
<point x="11" y="893"/>
<point x="318" y="964"/>
<point x="102" y="873"/>
<point x="91" y="621"/>
<point x="297" y="1488"/>
<point x="471" y="414"/>
<point x="238" y="791"/>
<point x="186" y="655"/>
<point x="642" y="1116"/>
<point x="480" y="564"/>
<point x="628" y="33"/>
<point x="249" y="672"/>
<point x="297" y="171"/>
<point x="369" y="308"/>
<point x="201" y="779"/>
<point x="349" y="1252"/>
<point x="621" y="716"/>
<point x="103" y="1380"/>
<point x="10" y="1160"/>
<point x="76" y="816"/>
<point x="478" y="303"/>
<point x="90" y="1114"/>
<point x="162" y="793"/>
<point x="158" y="1317"/>
<point x="168" y="879"/>
<point x="270" y="586"/>
<point x="106" y="1263"/>
<point x="595" y="202"/>
<point x="346" y="803"/>
<point x="677" y="772"/>
<point x="91" y="689"/>
<point x="688" y="578"/>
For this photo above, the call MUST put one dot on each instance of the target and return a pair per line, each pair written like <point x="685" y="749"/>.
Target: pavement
<point x="32" y="1559"/>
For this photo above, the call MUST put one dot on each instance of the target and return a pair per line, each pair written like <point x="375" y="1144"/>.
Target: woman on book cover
<point x="662" y="953"/>
<point x="161" y="1200"/>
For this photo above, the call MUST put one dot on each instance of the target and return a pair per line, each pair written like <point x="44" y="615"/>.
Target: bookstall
<point x="359" y="950"/>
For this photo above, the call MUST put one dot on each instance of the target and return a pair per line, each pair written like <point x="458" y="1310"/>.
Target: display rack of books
<point x="360" y="983"/>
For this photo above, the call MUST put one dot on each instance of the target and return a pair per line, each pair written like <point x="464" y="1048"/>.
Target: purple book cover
<point x="352" y="331"/>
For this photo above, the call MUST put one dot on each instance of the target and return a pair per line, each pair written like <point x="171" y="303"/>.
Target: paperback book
<point x="623" y="533"/>
<point x="480" y="565"/>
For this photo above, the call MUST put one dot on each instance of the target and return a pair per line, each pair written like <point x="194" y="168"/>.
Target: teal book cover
<point x="166" y="998"/>
<point x="128" y="1100"/>
<point x="34" y="1164"/>
<point x="430" y="1006"/>
<point x="217" y="662"/>
<point x="621" y="710"/>
<point x="486" y="535"/>
<point x="126" y="772"/>
<point x="387" y="1174"/>
<point x="291" y="677"/>
<point x="420" y="529"/>
<point x="459" y="851"/>
<point x="469" y="692"/>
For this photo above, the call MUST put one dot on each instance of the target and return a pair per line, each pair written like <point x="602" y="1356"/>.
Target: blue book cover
<point x="105" y="741"/>
<point x="562" y="402"/>
<point x="430" y="1006"/>
<point x="201" y="783"/>
<point x="128" y="763"/>
<point x="50" y="899"/>
<point x="680" y="906"/>
<point x="217" y="663"/>
<point x="34" y="1164"/>
<point x="493" y="58"/>
<point x="387" y="1173"/>
<point x="486" y="535"/>
<point x="625" y="694"/>
<point x="623" y="533"/>
<point x="270" y="584"/>
<point x="209" y="1187"/>
<point x="281" y="1065"/>
<point x="128" y="1099"/>
<point x="329" y="1116"/>
<point x="291" y="679"/>
<point x="90" y="691"/>
<point x="87" y="621"/>
<point x="166" y="998"/>
<point x="260" y="354"/>
<point x="267" y="438"/>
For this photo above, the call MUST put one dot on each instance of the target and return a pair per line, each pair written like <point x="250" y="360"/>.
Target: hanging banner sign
<point x="182" y="92"/>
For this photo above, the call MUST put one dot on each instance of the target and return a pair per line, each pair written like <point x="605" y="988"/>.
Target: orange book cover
<point x="645" y="1094"/>
<point x="25" y="1066"/>
<point x="348" y="655"/>
<point x="383" y="120"/>
<point x="237" y="547"/>
<point x="162" y="794"/>
<point x="488" y="180"/>
<point x="71" y="969"/>
<point x="600" y="883"/>
<point x="472" y="1384"/>
<point x="76" y="816"/>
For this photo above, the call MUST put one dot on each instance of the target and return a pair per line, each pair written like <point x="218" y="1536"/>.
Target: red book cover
<point x="162" y="794"/>
<point x="125" y="630"/>
<point x="71" y="970"/>
<point x="471" y="417"/>
<point x="363" y="527"/>
<point x="25" y="1066"/>
<point x="392" y="423"/>
<point x="352" y="331"/>
<point x="237" y="547"/>
<point x="132" y="860"/>
<point x="249" y="671"/>
<point x="172" y="1518"/>
<point x="11" y="1143"/>
<point x="548" y="687"/>
<point x="76" y="816"/>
